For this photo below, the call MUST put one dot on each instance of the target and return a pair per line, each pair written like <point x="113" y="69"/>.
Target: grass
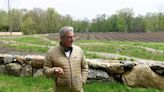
<point x="31" y="40"/>
<point x="124" y="50"/>
<point x="25" y="84"/>
<point x="93" y="55"/>
<point x="29" y="48"/>
<point x="41" y="84"/>
<point x="115" y="87"/>
<point x="133" y="49"/>
<point x="34" y="40"/>
<point x="154" y="45"/>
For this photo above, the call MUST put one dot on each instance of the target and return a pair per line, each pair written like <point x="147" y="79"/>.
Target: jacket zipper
<point x="70" y="71"/>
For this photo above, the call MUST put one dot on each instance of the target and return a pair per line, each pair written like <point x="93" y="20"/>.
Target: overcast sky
<point x="80" y="9"/>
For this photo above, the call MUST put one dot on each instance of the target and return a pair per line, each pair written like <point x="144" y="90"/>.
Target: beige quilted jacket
<point x="75" y="69"/>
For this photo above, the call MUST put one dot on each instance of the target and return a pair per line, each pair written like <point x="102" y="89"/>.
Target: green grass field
<point x="41" y="84"/>
<point x="40" y="45"/>
<point x="126" y="48"/>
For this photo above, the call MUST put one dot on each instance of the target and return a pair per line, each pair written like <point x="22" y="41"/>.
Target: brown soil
<point x="144" y="37"/>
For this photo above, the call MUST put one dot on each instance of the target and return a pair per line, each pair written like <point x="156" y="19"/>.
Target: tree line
<point x="39" y="21"/>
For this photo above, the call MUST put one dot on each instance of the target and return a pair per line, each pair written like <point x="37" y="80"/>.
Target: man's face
<point x="67" y="39"/>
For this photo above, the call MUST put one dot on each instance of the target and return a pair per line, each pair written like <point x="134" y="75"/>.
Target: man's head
<point x="66" y="36"/>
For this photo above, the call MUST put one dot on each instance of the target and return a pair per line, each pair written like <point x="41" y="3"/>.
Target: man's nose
<point x="72" y="39"/>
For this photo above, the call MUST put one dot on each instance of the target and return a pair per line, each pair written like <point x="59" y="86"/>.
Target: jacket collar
<point x="65" y="49"/>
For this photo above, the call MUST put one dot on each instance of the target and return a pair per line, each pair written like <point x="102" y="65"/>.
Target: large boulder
<point x="13" y="69"/>
<point x="21" y="60"/>
<point x="115" y="68"/>
<point x="37" y="62"/>
<point x="110" y="66"/>
<point x="97" y="63"/>
<point x="142" y="76"/>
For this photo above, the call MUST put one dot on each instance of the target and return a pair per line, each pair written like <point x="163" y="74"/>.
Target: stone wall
<point x="21" y="65"/>
<point x="136" y="74"/>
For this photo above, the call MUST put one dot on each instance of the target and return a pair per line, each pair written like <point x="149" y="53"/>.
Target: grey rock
<point x="37" y="62"/>
<point x="128" y="65"/>
<point x="8" y="59"/>
<point x="38" y="73"/>
<point x="2" y="69"/>
<point x="1" y="60"/>
<point x="97" y="74"/>
<point x="13" y="69"/>
<point x="112" y="67"/>
<point x="26" y="70"/>
<point x="158" y="68"/>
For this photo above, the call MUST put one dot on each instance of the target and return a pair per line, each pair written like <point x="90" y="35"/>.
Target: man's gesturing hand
<point x="58" y="71"/>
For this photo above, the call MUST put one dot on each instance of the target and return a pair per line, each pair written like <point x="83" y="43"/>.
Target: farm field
<point x="109" y="36"/>
<point x="147" y="46"/>
<point x="39" y="44"/>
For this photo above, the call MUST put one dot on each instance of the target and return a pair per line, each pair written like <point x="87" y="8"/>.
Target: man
<point x="66" y="63"/>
